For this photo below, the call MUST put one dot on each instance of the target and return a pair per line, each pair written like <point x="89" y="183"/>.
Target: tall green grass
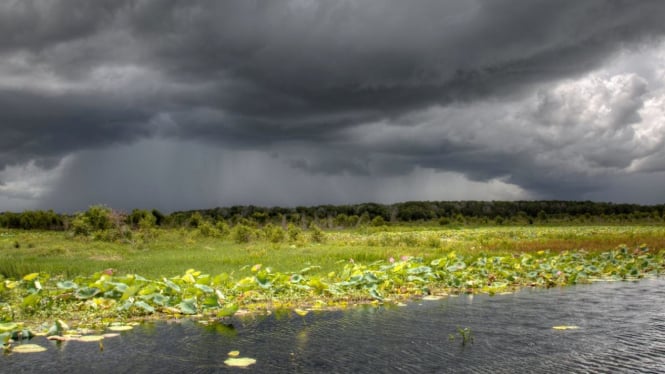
<point x="173" y="251"/>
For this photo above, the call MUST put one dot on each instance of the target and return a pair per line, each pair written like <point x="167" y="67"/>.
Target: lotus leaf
<point x="28" y="348"/>
<point x="120" y="328"/>
<point x="8" y="326"/>
<point x="188" y="306"/>
<point x="89" y="338"/>
<point x="564" y="327"/>
<point x="86" y="292"/>
<point x="240" y="361"/>
<point x="67" y="285"/>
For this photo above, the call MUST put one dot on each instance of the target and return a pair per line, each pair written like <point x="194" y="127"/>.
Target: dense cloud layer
<point x="547" y="99"/>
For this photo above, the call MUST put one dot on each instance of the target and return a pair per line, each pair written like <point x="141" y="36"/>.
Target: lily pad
<point x="564" y="327"/>
<point x="301" y="312"/>
<point x="89" y="338"/>
<point x="8" y="326"/>
<point x="120" y="328"/>
<point x="28" y="348"/>
<point x="240" y="361"/>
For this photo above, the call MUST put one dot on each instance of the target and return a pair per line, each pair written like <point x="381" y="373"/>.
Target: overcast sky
<point x="195" y="104"/>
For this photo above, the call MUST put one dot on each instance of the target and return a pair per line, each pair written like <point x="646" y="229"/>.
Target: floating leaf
<point x="240" y="361"/>
<point x="234" y="353"/>
<point x="28" y="348"/>
<point x="120" y="328"/>
<point x="89" y="338"/>
<point x="564" y="327"/>
<point x="8" y="326"/>
<point x="301" y="312"/>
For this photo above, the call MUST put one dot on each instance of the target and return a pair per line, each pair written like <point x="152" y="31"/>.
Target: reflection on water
<point x="622" y="329"/>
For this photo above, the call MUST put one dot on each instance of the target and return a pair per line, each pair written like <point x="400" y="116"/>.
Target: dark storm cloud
<point x="312" y="81"/>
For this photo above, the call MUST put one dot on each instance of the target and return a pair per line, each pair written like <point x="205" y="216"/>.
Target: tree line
<point x="344" y="216"/>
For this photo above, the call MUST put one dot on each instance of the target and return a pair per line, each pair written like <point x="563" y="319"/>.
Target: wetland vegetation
<point x="102" y="267"/>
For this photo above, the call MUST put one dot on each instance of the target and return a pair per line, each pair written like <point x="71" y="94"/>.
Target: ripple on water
<point x="622" y="329"/>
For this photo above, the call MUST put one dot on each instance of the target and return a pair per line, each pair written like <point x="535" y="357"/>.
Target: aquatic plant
<point x="105" y="296"/>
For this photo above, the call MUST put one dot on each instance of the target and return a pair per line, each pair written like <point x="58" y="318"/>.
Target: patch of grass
<point x="172" y="251"/>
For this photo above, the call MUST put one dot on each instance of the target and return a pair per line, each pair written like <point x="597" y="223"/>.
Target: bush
<point x="294" y="232"/>
<point x="242" y="234"/>
<point x="274" y="234"/>
<point x="378" y="221"/>
<point x="206" y="228"/>
<point x="444" y="221"/>
<point x="223" y="228"/>
<point x="101" y="223"/>
<point x="316" y="234"/>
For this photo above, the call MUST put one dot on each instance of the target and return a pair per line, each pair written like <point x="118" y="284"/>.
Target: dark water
<point x="622" y="329"/>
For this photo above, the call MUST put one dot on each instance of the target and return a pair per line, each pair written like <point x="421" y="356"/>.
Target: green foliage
<point x="274" y="234"/>
<point x="294" y="232"/>
<point x="195" y="220"/>
<point x="207" y="229"/>
<point x="101" y="223"/>
<point x="242" y="233"/>
<point x="378" y="221"/>
<point x="465" y="334"/>
<point x="316" y="234"/>
<point x="223" y="228"/>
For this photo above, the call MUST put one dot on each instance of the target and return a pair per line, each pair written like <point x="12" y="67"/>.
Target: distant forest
<point x="357" y="215"/>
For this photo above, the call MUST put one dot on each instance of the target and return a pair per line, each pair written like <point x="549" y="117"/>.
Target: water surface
<point x="621" y="329"/>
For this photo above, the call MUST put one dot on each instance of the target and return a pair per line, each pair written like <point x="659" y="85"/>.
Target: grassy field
<point x="171" y="252"/>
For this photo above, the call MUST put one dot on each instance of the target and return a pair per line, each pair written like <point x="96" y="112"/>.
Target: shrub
<point x="206" y="228"/>
<point x="316" y="234"/>
<point x="223" y="228"/>
<point x="242" y="233"/>
<point x="294" y="232"/>
<point x="274" y="234"/>
<point x="378" y="221"/>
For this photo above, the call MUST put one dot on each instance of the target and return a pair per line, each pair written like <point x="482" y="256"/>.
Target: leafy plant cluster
<point x="37" y="295"/>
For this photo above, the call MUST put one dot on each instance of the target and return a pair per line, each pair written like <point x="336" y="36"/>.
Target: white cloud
<point x="22" y="186"/>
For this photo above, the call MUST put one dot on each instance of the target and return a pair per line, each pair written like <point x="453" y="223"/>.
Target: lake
<point x="621" y="328"/>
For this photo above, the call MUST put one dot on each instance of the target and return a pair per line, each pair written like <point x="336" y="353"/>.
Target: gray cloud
<point x="539" y="94"/>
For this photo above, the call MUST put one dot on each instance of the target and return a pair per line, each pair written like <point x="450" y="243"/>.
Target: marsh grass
<point x="170" y="252"/>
